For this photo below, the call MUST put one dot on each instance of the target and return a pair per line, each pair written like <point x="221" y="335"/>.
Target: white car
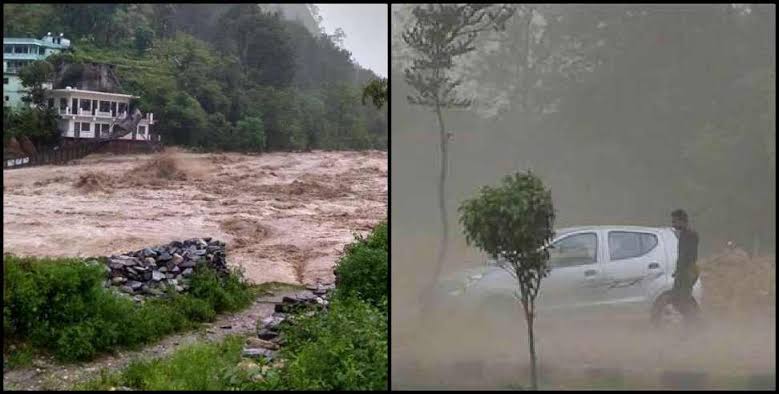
<point x="626" y="267"/>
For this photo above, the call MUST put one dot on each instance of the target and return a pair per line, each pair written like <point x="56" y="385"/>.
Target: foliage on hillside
<point x="207" y="70"/>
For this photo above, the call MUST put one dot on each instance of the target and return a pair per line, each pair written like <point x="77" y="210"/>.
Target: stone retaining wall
<point x="147" y="272"/>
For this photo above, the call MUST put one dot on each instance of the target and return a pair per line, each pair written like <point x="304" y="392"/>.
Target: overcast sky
<point x="365" y="26"/>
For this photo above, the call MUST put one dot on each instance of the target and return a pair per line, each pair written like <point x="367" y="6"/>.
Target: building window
<point x="63" y="104"/>
<point x="8" y="49"/>
<point x="77" y="128"/>
<point x="122" y="107"/>
<point x="105" y="130"/>
<point x="74" y="107"/>
<point x="142" y="130"/>
<point x="6" y="98"/>
<point x="20" y="49"/>
<point x="85" y="126"/>
<point x="86" y="105"/>
<point x="105" y="106"/>
<point x="113" y="108"/>
<point x="5" y="81"/>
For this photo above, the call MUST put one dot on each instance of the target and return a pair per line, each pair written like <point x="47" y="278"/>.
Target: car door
<point x="635" y="260"/>
<point x="575" y="275"/>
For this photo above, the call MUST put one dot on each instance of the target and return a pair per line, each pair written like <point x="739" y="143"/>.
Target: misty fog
<point x="626" y="112"/>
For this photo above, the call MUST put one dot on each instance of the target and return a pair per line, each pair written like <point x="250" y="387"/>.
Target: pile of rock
<point x="147" y="272"/>
<point x="268" y="336"/>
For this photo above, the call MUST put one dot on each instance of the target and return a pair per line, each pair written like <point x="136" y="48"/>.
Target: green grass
<point x="21" y="356"/>
<point x="60" y="306"/>
<point x="206" y="366"/>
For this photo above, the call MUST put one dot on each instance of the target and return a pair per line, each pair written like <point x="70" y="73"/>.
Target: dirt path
<point x="46" y="374"/>
<point x="285" y="216"/>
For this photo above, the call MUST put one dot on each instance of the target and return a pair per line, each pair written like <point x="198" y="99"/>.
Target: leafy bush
<point x="223" y="294"/>
<point x="342" y="349"/>
<point x="363" y="271"/>
<point x="345" y="347"/>
<point x="61" y="305"/>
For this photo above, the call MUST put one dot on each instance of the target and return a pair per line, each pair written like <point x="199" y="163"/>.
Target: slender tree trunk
<point x="441" y="194"/>
<point x="442" y="209"/>
<point x="533" y="374"/>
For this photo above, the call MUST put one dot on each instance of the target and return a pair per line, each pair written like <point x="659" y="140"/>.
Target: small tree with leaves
<point x="376" y="91"/>
<point x="35" y="76"/>
<point x="439" y="34"/>
<point x="513" y="222"/>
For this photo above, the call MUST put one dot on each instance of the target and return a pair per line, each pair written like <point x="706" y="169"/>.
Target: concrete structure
<point x="91" y="114"/>
<point x="17" y="53"/>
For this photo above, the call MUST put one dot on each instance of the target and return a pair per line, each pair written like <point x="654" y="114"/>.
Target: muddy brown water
<point x="285" y="216"/>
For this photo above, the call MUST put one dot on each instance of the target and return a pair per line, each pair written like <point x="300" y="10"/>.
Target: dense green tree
<point x="377" y="91"/>
<point x="183" y="120"/>
<point x="250" y="133"/>
<point x="514" y="222"/>
<point x="38" y="124"/>
<point x="34" y="77"/>
<point x="27" y="20"/>
<point x="143" y="37"/>
<point x="261" y="42"/>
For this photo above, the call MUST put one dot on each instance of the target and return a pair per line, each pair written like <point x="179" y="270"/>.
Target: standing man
<point x="686" y="273"/>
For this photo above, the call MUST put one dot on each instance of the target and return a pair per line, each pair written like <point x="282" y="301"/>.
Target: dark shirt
<point x="688" y="253"/>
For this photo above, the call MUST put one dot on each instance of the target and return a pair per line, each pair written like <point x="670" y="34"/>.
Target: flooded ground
<point x="285" y="216"/>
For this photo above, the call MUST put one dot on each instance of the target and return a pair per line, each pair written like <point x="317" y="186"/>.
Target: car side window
<point x="627" y="244"/>
<point x="574" y="250"/>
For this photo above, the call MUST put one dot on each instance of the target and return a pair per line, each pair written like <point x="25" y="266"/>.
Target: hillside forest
<point x="232" y="77"/>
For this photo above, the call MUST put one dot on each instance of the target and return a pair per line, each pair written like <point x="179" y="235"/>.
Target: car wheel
<point x="664" y="314"/>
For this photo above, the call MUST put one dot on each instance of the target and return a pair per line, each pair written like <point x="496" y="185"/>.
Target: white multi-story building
<point x="90" y="114"/>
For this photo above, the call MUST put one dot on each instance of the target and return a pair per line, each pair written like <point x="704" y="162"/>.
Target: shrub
<point x="343" y="349"/>
<point x="223" y="293"/>
<point x="196" y="310"/>
<point x="62" y="306"/>
<point x="363" y="272"/>
<point x="76" y="342"/>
